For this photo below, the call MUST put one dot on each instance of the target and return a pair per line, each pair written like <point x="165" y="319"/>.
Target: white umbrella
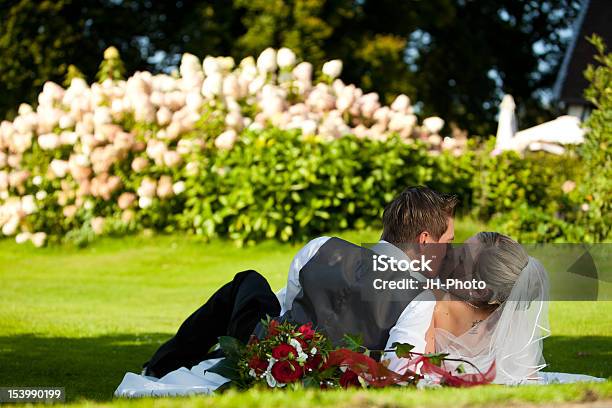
<point x="506" y="125"/>
<point x="564" y="130"/>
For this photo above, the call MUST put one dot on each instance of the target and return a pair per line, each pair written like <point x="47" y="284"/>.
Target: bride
<point x="504" y="323"/>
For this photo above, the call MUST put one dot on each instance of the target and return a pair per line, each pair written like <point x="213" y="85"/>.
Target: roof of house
<point x="595" y="17"/>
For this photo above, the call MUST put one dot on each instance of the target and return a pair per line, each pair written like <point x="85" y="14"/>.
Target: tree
<point x="593" y="195"/>
<point x="454" y="56"/>
<point x="40" y="39"/>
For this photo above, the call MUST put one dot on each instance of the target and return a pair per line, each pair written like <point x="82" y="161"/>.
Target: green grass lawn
<point x="81" y="318"/>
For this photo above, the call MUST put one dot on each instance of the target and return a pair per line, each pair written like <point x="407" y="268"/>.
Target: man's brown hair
<point x="415" y="210"/>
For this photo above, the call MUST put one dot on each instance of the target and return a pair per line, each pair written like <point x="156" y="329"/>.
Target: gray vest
<point x="339" y="298"/>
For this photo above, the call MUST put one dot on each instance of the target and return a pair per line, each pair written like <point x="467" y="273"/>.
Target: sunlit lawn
<point x="81" y="318"/>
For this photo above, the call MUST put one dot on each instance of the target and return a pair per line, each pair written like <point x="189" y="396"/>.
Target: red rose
<point x="314" y="362"/>
<point x="349" y="379"/>
<point x="282" y="351"/>
<point x="273" y="328"/>
<point x="258" y="365"/>
<point x="307" y="331"/>
<point x="286" y="371"/>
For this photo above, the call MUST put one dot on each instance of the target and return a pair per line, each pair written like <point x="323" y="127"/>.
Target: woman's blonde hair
<point x="499" y="264"/>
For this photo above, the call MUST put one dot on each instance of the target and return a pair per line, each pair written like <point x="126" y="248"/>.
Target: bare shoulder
<point x="443" y="303"/>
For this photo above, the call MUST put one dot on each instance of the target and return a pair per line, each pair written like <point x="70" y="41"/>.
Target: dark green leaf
<point x="402" y="350"/>
<point x="227" y="367"/>
<point x="231" y="346"/>
<point x="436" y="358"/>
<point x="353" y="342"/>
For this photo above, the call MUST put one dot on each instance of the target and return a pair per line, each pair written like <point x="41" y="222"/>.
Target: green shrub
<point x="593" y="197"/>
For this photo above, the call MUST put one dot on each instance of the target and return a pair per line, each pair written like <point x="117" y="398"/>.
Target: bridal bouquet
<point x="298" y="355"/>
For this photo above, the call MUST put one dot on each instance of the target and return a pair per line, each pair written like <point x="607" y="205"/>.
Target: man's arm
<point x="287" y="294"/>
<point x="411" y="328"/>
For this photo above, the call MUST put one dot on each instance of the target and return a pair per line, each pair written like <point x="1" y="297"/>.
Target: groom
<point x="330" y="285"/>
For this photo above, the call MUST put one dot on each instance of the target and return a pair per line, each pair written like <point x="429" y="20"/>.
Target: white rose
<point x="285" y="58"/>
<point x="266" y="62"/>
<point x="301" y="357"/>
<point x="332" y="68"/>
<point x="37" y="180"/>
<point x="270" y="380"/>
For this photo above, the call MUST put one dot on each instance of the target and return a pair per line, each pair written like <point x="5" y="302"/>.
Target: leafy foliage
<point x="402" y="350"/>
<point x="584" y="214"/>
<point x="596" y="153"/>
<point x="278" y="184"/>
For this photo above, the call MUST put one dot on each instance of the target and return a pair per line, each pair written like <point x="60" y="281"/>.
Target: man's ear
<point x="423" y="237"/>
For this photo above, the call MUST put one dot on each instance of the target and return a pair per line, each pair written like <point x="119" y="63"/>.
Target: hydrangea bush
<point x="214" y="148"/>
<point x="253" y="151"/>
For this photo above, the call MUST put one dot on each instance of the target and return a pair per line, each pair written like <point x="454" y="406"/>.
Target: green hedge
<point x="276" y="184"/>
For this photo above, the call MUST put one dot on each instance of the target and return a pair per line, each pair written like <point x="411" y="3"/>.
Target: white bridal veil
<point x="511" y="336"/>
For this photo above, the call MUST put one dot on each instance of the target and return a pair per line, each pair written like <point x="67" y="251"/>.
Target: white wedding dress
<point x="179" y="382"/>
